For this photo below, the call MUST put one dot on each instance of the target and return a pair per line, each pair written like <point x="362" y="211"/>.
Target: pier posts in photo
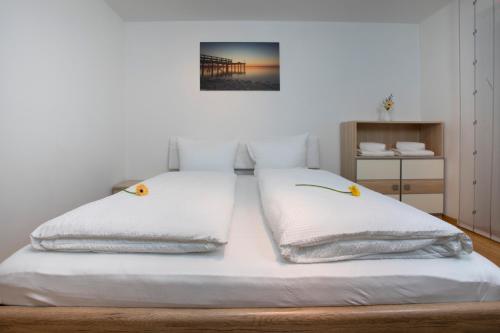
<point x="217" y="66"/>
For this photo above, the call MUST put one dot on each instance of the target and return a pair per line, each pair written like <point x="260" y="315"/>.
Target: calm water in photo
<point x="253" y="78"/>
<point x="260" y="74"/>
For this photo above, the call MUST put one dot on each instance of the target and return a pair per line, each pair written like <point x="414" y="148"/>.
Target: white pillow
<point x="201" y="155"/>
<point x="280" y="153"/>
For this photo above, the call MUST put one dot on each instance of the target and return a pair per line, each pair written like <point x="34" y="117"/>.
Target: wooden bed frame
<point x="438" y="317"/>
<point x="444" y="317"/>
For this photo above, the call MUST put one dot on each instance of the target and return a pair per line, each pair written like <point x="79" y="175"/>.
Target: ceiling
<point x="397" y="11"/>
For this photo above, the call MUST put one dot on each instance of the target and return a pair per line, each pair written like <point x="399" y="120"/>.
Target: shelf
<point x="398" y="122"/>
<point x="399" y="157"/>
<point x="388" y="132"/>
<point x="430" y="133"/>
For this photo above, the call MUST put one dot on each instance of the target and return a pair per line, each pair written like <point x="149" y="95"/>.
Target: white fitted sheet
<point x="248" y="272"/>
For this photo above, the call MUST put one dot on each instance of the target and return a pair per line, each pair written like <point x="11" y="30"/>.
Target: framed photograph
<point x="239" y="66"/>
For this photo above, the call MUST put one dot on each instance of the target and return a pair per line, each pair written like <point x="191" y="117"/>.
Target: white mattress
<point x="249" y="272"/>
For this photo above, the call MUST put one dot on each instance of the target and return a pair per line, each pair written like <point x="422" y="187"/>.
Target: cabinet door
<point x="422" y="169"/>
<point x="430" y="203"/>
<point x="378" y="169"/>
<point x="422" y="184"/>
<point x="484" y="115"/>
<point x="495" y="194"/>
<point x="466" y="200"/>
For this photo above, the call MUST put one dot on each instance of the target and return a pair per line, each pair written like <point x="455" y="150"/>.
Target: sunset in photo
<point x="239" y="66"/>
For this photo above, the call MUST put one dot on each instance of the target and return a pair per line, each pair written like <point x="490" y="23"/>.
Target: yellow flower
<point x="388" y="103"/>
<point x="141" y="190"/>
<point x="354" y="190"/>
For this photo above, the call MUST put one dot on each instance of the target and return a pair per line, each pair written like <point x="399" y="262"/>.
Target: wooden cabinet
<point x="417" y="181"/>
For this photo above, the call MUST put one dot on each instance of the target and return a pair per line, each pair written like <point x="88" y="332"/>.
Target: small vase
<point x="386" y="115"/>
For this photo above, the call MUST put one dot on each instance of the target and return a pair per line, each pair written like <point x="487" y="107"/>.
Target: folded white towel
<point x="403" y="145"/>
<point x="372" y="146"/>
<point x="414" y="152"/>
<point x="376" y="153"/>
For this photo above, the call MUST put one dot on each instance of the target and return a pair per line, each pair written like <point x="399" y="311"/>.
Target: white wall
<point x="330" y="72"/>
<point x="69" y="128"/>
<point x="61" y="123"/>
<point x="440" y="89"/>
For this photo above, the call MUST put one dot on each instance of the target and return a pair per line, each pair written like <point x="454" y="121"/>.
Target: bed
<point x="246" y="286"/>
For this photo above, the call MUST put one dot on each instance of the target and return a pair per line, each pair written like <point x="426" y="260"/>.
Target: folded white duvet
<point x="312" y="224"/>
<point x="187" y="211"/>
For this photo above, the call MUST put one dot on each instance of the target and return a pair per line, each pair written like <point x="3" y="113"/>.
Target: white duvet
<point x="316" y="225"/>
<point x="184" y="212"/>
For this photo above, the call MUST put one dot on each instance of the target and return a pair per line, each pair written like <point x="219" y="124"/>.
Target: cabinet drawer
<point x="384" y="186"/>
<point x="430" y="203"/>
<point x="422" y="169"/>
<point x="422" y="186"/>
<point x="378" y="169"/>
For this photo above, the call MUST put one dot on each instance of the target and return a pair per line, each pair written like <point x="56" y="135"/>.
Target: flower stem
<point x="326" y="188"/>
<point x="130" y="192"/>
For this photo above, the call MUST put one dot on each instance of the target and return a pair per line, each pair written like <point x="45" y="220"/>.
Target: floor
<point x="482" y="245"/>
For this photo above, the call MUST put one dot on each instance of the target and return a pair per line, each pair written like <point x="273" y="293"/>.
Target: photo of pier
<point x="239" y="66"/>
